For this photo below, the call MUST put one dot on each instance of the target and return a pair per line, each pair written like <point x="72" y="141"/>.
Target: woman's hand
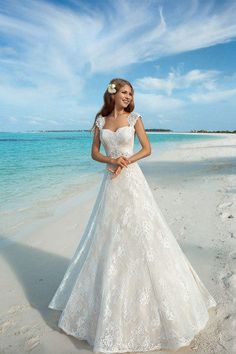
<point x="120" y="162"/>
<point x="116" y="172"/>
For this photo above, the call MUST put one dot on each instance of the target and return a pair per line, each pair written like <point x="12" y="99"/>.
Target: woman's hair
<point x="109" y="102"/>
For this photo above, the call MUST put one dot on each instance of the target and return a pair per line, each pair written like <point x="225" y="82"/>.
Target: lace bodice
<point x="121" y="141"/>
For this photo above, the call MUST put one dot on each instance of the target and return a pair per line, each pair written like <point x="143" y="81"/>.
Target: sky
<point x="57" y="58"/>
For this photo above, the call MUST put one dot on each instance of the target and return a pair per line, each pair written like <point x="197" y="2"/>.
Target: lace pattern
<point x="100" y="121"/>
<point x="132" y="118"/>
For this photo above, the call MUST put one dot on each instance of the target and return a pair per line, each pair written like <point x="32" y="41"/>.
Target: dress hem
<point x="127" y="350"/>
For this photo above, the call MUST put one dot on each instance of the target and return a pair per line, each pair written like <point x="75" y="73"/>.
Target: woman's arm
<point x="95" y="151"/>
<point x="144" y="141"/>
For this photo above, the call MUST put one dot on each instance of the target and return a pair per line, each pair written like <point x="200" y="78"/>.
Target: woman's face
<point x="123" y="97"/>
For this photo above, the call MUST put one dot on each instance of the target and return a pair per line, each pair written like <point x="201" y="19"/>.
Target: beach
<point x="194" y="184"/>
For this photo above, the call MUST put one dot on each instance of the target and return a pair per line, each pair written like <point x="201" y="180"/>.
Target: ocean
<point x="39" y="169"/>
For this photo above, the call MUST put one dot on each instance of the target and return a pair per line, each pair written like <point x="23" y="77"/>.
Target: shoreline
<point x="185" y="133"/>
<point x="194" y="184"/>
<point x="87" y="131"/>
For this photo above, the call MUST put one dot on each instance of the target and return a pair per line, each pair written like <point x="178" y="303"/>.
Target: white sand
<point x="195" y="186"/>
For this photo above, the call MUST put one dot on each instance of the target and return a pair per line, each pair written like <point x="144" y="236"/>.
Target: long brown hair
<point x="108" y="105"/>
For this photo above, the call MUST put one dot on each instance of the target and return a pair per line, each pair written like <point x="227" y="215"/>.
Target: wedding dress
<point x="129" y="286"/>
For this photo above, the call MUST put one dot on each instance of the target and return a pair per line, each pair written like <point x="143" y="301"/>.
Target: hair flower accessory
<point x="111" y="88"/>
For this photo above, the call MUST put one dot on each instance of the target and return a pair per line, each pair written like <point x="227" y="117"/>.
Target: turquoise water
<point x="38" y="167"/>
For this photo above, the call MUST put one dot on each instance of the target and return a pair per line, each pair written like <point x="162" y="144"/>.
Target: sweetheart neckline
<point x="124" y="126"/>
<point x="114" y="131"/>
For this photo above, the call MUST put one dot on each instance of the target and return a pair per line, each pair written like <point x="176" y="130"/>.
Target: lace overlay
<point x="129" y="286"/>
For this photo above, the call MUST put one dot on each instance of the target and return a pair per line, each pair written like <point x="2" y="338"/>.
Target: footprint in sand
<point x="229" y="281"/>
<point x="4" y="326"/>
<point x="31" y="343"/>
<point x="17" y="308"/>
<point x="25" y="329"/>
<point x="224" y="205"/>
<point x="225" y="215"/>
<point x="225" y="279"/>
<point x="223" y="210"/>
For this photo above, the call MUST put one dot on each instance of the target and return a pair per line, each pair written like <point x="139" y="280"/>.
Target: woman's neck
<point x="117" y="112"/>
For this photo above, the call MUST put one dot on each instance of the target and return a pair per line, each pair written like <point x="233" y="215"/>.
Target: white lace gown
<point x="129" y="286"/>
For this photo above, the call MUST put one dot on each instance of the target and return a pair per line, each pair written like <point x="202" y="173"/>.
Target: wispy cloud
<point x="158" y="103"/>
<point x="175" y="80"/>
<point x="61" y="42"/>
<point x="49" y="51"/>
<point x="180" y="91"/>
<point x="39" y="121"/>
<point x="214" y="96"/>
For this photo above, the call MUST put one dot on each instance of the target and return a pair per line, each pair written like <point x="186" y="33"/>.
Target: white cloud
<point x="175" y="80"/>
<point x="155" y="33"/>
<point x="213" y="96"/>
<point x="158" y="103"/>
<point x="195" y="86"/>
<point x="54" y="45"/>
<point x="40" y="122"/>
<point x="52" y="50"/>
<point x="62" y="43"/>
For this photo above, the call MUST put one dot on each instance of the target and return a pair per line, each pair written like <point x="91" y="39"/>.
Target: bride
<point x="129" y="286"/>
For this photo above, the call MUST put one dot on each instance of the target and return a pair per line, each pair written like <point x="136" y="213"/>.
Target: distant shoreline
<point x="192" y="133"/>
<point x="149" y="131"/>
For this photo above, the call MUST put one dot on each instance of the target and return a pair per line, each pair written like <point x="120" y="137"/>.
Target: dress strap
<point x="100" y="121"/>
<point x="133" y="117"/>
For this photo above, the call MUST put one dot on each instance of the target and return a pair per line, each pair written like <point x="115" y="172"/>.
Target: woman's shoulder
<point x="100" y="121"/>
<point x="133" y="117"/>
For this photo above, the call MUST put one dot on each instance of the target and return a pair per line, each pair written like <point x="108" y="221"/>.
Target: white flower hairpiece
<point x="111" y="88"/>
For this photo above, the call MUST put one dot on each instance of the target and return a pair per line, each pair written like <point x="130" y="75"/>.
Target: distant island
<point x="147" y="130"/>
<point x="213" y="131"/>
<point x="193" y="131"/>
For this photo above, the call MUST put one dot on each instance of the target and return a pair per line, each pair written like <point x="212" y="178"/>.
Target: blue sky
<point x="57" y="57"/>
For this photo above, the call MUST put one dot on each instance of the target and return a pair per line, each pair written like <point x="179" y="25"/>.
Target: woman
<point x="129" y="286"/>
